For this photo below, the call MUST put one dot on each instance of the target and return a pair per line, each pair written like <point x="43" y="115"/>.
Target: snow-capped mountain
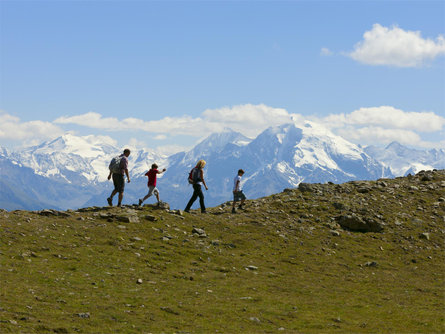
<point x="71" y="171"/>
<point x="280" y="157"/>
<point x="403" y="160"/>
<point x="78" y="160"/>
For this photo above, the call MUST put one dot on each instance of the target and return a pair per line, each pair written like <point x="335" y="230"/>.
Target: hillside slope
<point x="301" y="261"/>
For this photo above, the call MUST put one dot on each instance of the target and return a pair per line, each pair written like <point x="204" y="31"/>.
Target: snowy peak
<point x="309" y="144"/>
<point x="3" y="152"/>
<point x="214" y="144"/>
<point x="403" y="160"/>
<point x="217" y="141"/>
<point x="86" y="147"/>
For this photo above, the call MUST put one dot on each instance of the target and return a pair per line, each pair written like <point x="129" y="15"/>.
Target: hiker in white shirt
<point x="238" y="194"/>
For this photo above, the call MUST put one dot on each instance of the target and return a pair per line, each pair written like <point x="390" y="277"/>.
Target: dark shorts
<point x="119" y="182"/>
<point x="238" y="196"/>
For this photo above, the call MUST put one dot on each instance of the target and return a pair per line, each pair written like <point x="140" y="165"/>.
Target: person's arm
<point x="202" y="178"/>
<point x="109" y="175"/>
<point x="128" y="176"/>
<point x="162" y="171"/>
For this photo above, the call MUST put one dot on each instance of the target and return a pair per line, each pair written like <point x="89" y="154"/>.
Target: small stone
<point x="425" y="236"/>
<point x="135" y="239"/>
<point x="251" y="267"/>
<point x="139" y="281"/>
<point x="335" y="233"/>
<point x="84" y="315"/>
<point x="371" y="264"/>
<point x="255" y="319"/>
<point x="128" y="219"/>
<point x="200" y="232"/>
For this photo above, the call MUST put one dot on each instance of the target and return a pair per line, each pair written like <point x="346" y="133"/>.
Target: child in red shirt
<point x="152" y="174"/>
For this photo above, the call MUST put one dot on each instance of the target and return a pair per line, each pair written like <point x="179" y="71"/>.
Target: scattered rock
<point x="339" y="206"/>
<point x="363" y="190"/>
<point x="169" y="310"/>
<point x="251" y="267"/>
<point x="139" y="281"/>
<point x="150" y="218"/>
<point x="371" y="264"/>
<point x="128" y="219"/>
<point x="84" y="315"/>
<point x="425" y="236"/>
<point x="163" y="206"/>
<point x="305" y="187"/>
<point x="354" y="222"/>
<point x="200" y="232"/>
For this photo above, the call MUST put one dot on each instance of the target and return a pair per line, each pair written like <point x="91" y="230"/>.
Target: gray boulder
<point x="356" y="223"/>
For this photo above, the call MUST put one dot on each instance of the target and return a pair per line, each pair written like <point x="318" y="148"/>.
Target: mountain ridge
<point x="280" y="157"/>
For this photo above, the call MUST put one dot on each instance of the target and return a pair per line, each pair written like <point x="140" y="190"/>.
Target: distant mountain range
<point x="71" y="171"/>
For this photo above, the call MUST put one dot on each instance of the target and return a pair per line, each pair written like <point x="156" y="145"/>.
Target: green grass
<point x="66" y="275"/>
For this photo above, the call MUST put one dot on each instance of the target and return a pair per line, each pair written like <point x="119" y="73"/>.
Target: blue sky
<point x="166" y="74"/>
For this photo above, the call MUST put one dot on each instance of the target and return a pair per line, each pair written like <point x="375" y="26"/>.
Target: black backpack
<point x="193" y="176"/>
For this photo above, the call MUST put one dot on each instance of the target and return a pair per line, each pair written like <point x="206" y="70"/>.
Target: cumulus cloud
<point x="367" y="125"/>
<point x="179" y="125"/>
<point x="12" y="128"/>
<point x="396" y="47"/>
<point x="249" y="119"/>
<point x="385" y="124"/>
<point x="390" y="117"/>
<point x="379" y="135"/>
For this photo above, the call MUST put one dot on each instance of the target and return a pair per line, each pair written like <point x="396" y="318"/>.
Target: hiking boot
<point x="233" y="210"/>
<point x="241" y="207"/>
<point x="110" y="201"/>
<point x="188" y="211"/>
<point x="203" y="212"/>
<point x="140" y="202"/>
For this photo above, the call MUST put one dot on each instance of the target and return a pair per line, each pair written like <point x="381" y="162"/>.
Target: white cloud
<point x="390" y="117"/>
<point x="377" y="135"/>
<point x="372" y="125"/>
<point x="248" y="119"/>
<point x="396" y="47"/>
<point x="385" y="124"/>
<point x="325" y="52"/>
<point x="160" y="137"/>
<point x="11" y="128"/>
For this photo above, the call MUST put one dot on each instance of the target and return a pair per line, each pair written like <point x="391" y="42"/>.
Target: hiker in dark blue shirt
<point x="197" y="181"/>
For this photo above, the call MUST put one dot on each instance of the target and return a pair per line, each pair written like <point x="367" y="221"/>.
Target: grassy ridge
<point x="283" y="265"/>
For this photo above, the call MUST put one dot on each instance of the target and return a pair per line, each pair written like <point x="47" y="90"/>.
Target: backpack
<point x="115" y="163"/>
<point x="193" y="176"/>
